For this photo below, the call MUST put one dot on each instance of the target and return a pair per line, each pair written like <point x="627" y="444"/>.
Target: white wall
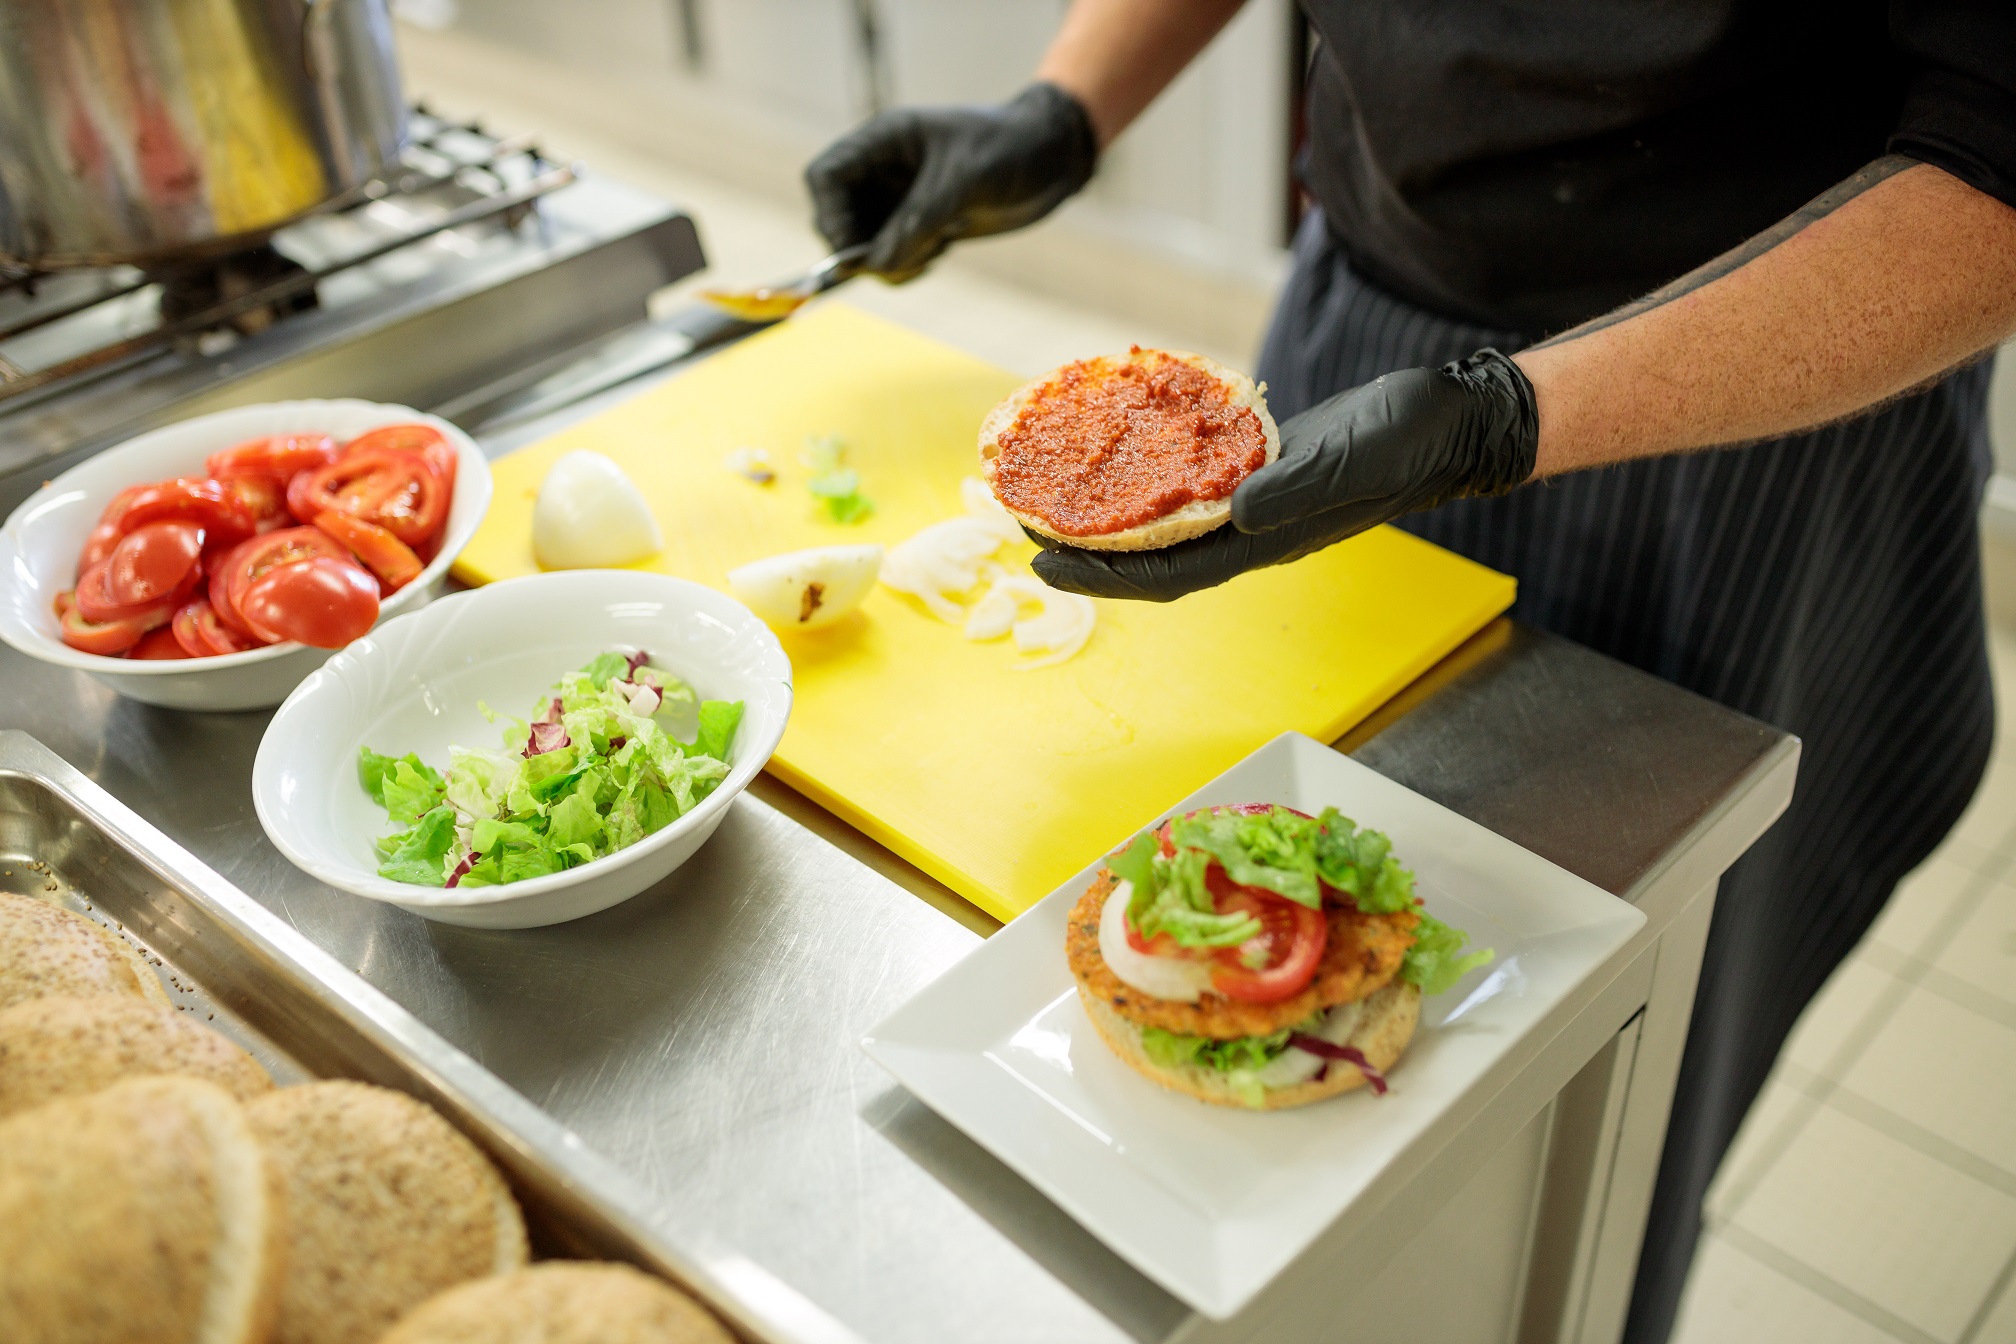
<point x="1182" y="227"/>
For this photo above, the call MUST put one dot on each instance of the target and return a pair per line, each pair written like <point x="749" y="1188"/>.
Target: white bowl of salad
<point x="525" y="753"/>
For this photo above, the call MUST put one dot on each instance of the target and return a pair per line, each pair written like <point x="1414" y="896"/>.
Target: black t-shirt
<point x="1528" y="164"/>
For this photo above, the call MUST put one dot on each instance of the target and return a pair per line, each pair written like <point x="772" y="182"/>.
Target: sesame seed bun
<point x="1385" y="1026"/>
<point x="64" y="1047"/>
<point x="45" y="949"/>
<point x="1193" y="519"/>
<point x="561" y="1302"/>
<point x="145" y="1211"/>
<point x="389" y="1205"/>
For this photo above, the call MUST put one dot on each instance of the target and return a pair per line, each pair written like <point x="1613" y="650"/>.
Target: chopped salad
<point x="620" y="750"/>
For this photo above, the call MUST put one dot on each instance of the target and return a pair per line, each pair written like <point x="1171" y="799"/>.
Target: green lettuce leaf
<point x="605" y="668"/>
<point x="1175" y="901"/>
<point x="835" y="486"/>
<point x="1435" y="962"/>
<point x="1275" y="850"/>
<point x="718" y="721"/>
<point x="1171" y="1050"/>
<point x="374" y="770"/>
<point x="417" y="854"/>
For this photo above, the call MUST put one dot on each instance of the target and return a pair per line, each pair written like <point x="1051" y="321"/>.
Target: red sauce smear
<point x="1108" y="445"/>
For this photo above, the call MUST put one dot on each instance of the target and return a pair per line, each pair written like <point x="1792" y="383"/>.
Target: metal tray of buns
<point x="225" y="958"/>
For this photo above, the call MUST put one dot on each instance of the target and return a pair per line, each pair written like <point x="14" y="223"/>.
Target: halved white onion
<point x="1158" y="977"/>
<point x="589" y="515"/>
<point x="805" y="590"/>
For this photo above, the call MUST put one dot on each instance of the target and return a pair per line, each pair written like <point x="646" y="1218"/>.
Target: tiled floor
<point x="1871" y="1196"/>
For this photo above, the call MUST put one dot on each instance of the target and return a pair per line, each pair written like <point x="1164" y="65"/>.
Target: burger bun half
<point x="1190" y="520"/>
<point x="1385" y="1026"/>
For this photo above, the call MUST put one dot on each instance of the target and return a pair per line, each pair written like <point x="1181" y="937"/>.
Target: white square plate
<point x="1212" y="1202"/>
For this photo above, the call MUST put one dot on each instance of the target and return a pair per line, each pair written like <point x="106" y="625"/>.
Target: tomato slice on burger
<point x="391" y="559"/>
<point x="251" y="560"/>
<point x="211" y="505"/>
<point x="155" y="562"/>
<point x="159" y="644"/>
<point x="430" y="443"/>
<point x="393" y="490"/>
<point x="1278" y="962"/>
<point x="277" y="457"/>
<point x="323" y="602"/>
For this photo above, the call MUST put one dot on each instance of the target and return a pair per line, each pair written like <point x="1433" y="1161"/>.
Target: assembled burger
<point x="1256" y="956"/>
<point x="1127" y="452"/>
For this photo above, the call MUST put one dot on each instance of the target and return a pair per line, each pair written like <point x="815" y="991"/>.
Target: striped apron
<point x="1828" y="584"/>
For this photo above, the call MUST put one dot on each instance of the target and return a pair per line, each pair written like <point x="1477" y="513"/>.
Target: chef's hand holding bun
<point x="1406" y="441"/>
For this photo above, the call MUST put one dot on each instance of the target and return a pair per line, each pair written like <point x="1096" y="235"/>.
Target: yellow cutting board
<point x="999" y="782"/>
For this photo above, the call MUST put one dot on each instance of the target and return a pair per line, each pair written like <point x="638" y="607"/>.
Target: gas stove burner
<point x="216" y="283"/>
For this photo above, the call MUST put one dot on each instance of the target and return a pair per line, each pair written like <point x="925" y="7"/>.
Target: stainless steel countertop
<point x="702" y="1036"/>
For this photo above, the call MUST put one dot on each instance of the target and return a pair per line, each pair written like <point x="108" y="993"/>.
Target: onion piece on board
<point x="1058" y="628"/>
<point x="942" y="563"/>
<point x="805" y="590"/>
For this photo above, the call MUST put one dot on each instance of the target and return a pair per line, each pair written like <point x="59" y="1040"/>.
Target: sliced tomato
<point x="211" y="505"/>
<point x="155" y="562"/>
<point x="106" y="534"/>
<point x="250" y="560"/>
<point x="200" y="631"/>
<point x="1276" y="963"/>
<point x="430" y="443"/>
<point x="277" y="457"/>
<point x="95" y="602"/>
<point x="159" y="644"/>
<point x="64" y="601"/>
<point x="393" y="490"/>
<point x="106" y="638"/>
<point x="391" y="559"/>
<point x="265" y="498"/>
<point x="323" y="602"/>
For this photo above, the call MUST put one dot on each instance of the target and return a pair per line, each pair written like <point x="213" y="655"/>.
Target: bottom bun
<point x="1384" y="1029"/>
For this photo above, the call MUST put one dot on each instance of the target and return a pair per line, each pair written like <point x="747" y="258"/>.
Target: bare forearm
<point x="1895" y="277"/>
<point x="1114" y="56"/>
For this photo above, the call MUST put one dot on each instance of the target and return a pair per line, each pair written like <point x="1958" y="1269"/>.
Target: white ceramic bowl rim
<point x="346" y="417"/>
<point x="386" y="641"/>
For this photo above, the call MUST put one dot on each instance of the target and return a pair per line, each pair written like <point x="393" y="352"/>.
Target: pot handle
<point x="314" y="18"/>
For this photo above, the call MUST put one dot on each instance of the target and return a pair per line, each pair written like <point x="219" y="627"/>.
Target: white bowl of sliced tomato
<point x="214" y="563"/>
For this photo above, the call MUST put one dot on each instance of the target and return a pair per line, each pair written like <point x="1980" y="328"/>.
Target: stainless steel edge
<point x="538" y="1153"/>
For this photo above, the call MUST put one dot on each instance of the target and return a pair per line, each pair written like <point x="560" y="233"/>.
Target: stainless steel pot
<point x="150" y="130"/>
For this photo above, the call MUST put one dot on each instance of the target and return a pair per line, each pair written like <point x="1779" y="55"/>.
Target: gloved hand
<point x="915" y="180"/>
<point x="1407" y="441"/>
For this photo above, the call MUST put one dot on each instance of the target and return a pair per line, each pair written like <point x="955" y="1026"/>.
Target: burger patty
<point x="1362" y="955"/>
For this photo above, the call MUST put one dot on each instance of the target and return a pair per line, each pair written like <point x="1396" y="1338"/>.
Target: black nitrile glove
<point x="915" y="180"/>
<point x="1407" y="441"/>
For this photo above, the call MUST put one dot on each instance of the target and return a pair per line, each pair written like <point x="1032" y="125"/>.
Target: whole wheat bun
<point x="66" y="1047"/>
<point x="147" y="1211"/>
<point x="1385" y="1026"/>
<point x="561" y="1302"/>
<point x="45" y="949"/>
<point x="389" y="1204"/>
<point x="1191" y="520"/>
